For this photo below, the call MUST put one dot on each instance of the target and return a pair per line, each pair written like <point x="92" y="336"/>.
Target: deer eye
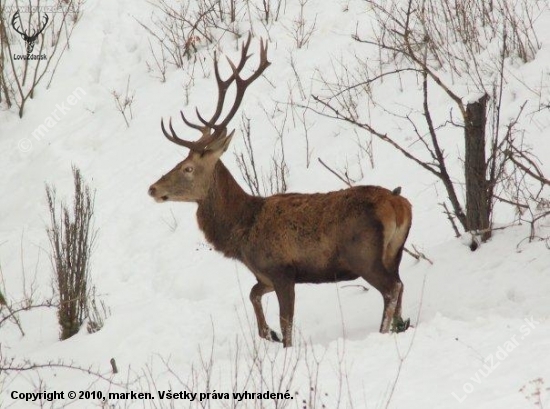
<point x="189" y="169"/>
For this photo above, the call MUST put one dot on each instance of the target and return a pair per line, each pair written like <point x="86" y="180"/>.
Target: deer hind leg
<point x="390" y="287"/>
<point x="256" y="294"/>
<point x="386" y="282"/>
<point x="285" y="295"/>
<point x="399" y="302"/>
<point x="392" y="305"/>
<point x="392" y="291"/>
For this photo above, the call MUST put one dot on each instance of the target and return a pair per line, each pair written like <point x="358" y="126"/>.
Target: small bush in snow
<point x="71" y="237"/>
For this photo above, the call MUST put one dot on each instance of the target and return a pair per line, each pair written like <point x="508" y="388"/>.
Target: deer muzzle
<point x="158" y="196"/>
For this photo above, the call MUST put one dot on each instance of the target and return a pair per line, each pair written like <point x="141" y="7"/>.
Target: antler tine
<point x="172" y="137"/>
<point x="262" y="66"/>
<point x="222" y="89"/>
<point x="204" y="121"/>
<point x="190" y="124"/>
<point x="197" y="146"/>
<point x="244" y="51"/>
<point x="242" y="62"/>
<point x="244" y="54"/>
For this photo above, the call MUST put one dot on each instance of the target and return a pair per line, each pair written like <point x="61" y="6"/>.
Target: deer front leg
<point x="285" y="295"/>
<point x="256" y="294"/>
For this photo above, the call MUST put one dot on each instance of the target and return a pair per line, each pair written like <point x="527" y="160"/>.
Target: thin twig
<point x="334" y="172"/>
<point x="451" y="219"/>
<point x="417" y="254"/>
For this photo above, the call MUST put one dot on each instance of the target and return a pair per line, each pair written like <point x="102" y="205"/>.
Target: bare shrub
<point x="32" y="375"/>
<point x="177" y="33"/>
<point x="97" y="312"/>
<point x="72" y="236"/>
<point x="224" y="17"/>
<point x="262" y="183"/>
<point x="247" y="161"/>
<point x="275" y="182"/>
<point x="300" y="30"/>
<point x="252" y="366"/>
<point x="535" y="392"/>
<point x="30" y="298"/>
<point x="180" y="31"/>
<point x="159" y="63"/>
<point x="522" y="182"/>
<point x="268" y="10"/>
<point x="276" y="179"/>
<point x="124" y="102"/>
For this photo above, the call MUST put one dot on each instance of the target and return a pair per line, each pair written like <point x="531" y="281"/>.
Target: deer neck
<point x="227" y="213"/>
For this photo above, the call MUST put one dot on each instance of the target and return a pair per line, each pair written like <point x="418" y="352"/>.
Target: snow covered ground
<point x="481" y="330"/>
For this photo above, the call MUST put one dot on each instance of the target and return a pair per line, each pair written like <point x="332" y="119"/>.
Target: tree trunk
<point x="475" y="168"/>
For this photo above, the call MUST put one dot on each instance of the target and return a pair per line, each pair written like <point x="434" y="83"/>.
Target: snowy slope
<point x="172" y="298"/>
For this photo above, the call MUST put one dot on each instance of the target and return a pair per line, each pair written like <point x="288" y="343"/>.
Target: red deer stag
<point x="286" y="239"/>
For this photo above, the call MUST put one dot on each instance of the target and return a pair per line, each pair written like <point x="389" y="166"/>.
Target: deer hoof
<point x="400" y="325"/>
<point x="273" y="336"/>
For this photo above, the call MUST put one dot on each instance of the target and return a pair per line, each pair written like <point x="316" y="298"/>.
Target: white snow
<point x="172" y="298"/>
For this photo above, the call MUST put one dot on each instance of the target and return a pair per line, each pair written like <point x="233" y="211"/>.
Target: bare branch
<point x="347" y="182"/>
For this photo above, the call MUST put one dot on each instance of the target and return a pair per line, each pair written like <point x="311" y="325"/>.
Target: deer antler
<point x="34" y="35"/>
<point x="15" y="17"/>
<point x="223" y="85"/>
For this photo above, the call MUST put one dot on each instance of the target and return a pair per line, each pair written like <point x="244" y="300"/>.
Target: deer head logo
<point x="30" y="39"/>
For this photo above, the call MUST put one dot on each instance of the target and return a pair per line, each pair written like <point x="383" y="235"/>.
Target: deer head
<point x="30" y="39"/>
<point x="190" y="180"/>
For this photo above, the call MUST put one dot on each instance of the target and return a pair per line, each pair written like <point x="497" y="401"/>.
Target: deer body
<point x="292" y="238"/>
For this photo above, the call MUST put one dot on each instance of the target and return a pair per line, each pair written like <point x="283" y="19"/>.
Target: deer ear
<point x="220" y="145"/>
<point x="227" y="140"/>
